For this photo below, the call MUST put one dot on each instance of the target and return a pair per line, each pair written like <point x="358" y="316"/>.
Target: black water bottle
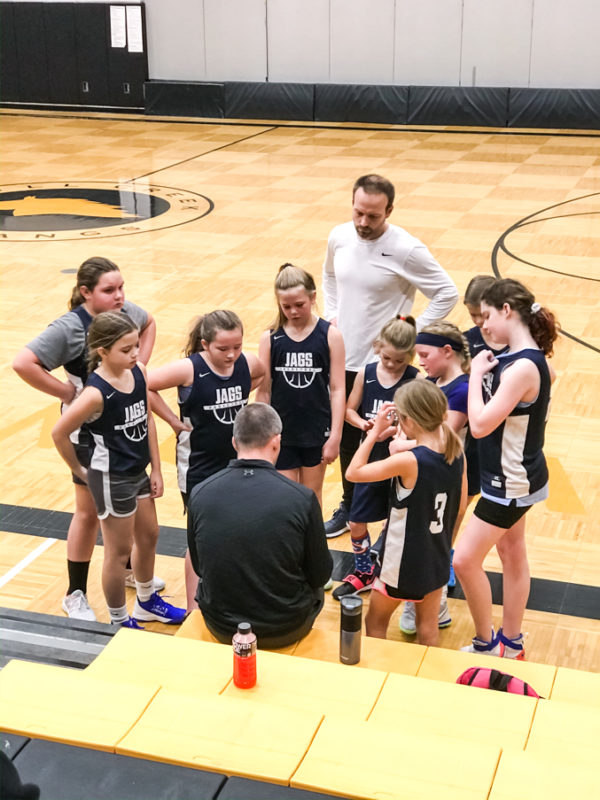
<point x="350" y="629"/>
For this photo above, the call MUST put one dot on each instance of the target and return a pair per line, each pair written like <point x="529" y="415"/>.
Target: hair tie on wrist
<point x="535" y="307"/>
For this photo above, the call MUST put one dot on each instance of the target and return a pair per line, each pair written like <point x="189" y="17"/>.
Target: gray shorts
<point x="117" y="495"/>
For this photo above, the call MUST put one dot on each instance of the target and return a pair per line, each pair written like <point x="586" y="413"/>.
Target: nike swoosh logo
<point x="387" y="254"/>
<point x="108" y="396"/>
<point x="203" y="374"/>
<point x="278" y="337"/>
<point x="371" y="381"/>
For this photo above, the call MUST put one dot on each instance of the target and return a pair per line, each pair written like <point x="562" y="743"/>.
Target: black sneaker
<point x="355" y="583"/>
<point x="339" y="522"/>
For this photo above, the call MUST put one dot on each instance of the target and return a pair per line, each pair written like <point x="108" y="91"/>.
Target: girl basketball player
<point x="303" y="359"/>
<point x="375" y="385"/>
<point x="476" y="336"/>
<point x="214" y="381"/>
<point x="114" y="407"/>
<point x="444" y="355"/>
<point x="509" y="396"/>
<point x="428" y="497"/>
<point x="99" y="288"/>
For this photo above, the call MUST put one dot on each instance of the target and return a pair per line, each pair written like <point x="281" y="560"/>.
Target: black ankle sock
<point x="78" y="575"/>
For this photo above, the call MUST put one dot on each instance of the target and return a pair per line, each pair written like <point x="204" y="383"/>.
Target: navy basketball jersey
<point x="209" y="406"/>
<point x="416" y="553"/>
<point x="477" y="343"/>
<point x="119" y="436"/>
<point x="457" y="392"/>
<point x="300" y="386"/>
<point x="512" y="463"/>
<point x="375" y="395"/>
<point x="77" y="369"/>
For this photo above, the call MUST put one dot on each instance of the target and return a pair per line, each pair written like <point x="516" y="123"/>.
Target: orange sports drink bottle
<point x="244" y="656"/>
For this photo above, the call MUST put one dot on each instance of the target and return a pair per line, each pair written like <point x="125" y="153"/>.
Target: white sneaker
<point x="481" y="647"/>
<point x="76" y="606"/>
<point x="444" y="618"/>
<point x="408" y="620"/>
<point x="328" y="585"/>
<point x="159" y="584"/>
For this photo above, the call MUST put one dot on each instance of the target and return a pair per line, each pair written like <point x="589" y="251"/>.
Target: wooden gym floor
<point x="526" y="201"/>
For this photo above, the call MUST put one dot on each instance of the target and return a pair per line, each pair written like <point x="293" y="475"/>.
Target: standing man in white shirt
<point x="371" y="273"/>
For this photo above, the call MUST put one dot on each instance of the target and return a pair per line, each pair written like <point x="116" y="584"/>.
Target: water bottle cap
<point x="352" y="604"/>
<point x="244" y="628"/>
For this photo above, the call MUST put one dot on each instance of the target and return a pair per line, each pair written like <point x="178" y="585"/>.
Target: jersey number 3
<point x="437" y="525"/>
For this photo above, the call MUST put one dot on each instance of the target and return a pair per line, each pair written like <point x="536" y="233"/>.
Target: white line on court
<point x="25" y="562"/>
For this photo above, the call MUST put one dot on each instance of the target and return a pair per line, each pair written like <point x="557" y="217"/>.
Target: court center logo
<point x="61" y="211"/>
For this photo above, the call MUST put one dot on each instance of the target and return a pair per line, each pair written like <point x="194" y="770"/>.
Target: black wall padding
<point x="360" y="103"/>
<point x="457" y="105"/>
<point x="9" y="70"/>
<point x="554" y="108"/>
<point x="73" y="773"/>
<point x="177" y="98"/>
<point x="11" y="744"/>
<point x="92" y="53"/>
<point x="31" y="52"/>
<point x="246" y="789"/>
<point x="59" y="24"/>
<point x="292" y="101"/>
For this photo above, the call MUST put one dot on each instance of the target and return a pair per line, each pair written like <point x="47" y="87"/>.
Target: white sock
<point x="118" y="615"/>
<point x="144" y="590"/>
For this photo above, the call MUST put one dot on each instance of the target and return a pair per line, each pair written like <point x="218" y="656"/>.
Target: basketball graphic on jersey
<point x="298" y="370"/>
<point x="228" y="401"/>
<point x="135" y="427"/>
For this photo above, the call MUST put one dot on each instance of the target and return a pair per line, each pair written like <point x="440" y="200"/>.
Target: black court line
<point x="531" y="219"/>
<point x="317" y="125"/>
<point x="199" y="155"/>
<point x="554" y="597"/>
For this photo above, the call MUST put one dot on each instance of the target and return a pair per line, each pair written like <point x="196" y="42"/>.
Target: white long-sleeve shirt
<point x="367" y="282"/>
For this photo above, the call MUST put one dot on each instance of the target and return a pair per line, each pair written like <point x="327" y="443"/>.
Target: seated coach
<point x="257" y="541"/>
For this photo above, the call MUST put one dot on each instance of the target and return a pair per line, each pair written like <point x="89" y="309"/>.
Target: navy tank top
<point x="416" y="553"/>
<point x="375" y="395"/>
<point x="300" y="386"/>
<point x="210" y="406"/>
<point x="119" y="436"/>
<point x="513" y="466"/>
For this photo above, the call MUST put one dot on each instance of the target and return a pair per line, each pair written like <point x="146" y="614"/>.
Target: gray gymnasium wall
<point x="516" y="63"/>
<point x="516" y="43"/>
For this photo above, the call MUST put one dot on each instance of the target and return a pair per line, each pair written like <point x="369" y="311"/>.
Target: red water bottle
<point x="244" y="656"/>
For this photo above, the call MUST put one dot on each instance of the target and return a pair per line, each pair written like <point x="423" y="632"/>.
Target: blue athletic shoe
<point x="131" y="623"/>
<point x="452" y="578"/>
<point x="157" y="610"/>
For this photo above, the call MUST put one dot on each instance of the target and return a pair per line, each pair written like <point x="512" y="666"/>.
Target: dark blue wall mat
<point x="291" y="101"/>
<point x="11" y="744"/>
<point x="64" y="772"/>
<point x="178" y="98"/>
<point x="554" y="108"/>
<point x="360" y="103"/>
<point x="457" y="105"/>
<point x="246" y="789"/>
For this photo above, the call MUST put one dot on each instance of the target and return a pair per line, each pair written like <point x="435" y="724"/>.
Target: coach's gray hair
<point x="255" y="425"/>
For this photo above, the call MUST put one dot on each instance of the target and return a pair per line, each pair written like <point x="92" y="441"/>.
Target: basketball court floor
<point x="199" y="215"/>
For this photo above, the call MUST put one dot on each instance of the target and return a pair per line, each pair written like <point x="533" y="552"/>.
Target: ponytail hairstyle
<point x="207" y="326"/>
<point x="476" y="287"/>
<point x="106" y="329"/>
<point x="88" y="275"/>
<point x="427" y="406"/>
<point x="400" y="333"/>
<point x="291" y="277"/>
<point x="541" y="322"/>
<point x="460" y="345"/>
